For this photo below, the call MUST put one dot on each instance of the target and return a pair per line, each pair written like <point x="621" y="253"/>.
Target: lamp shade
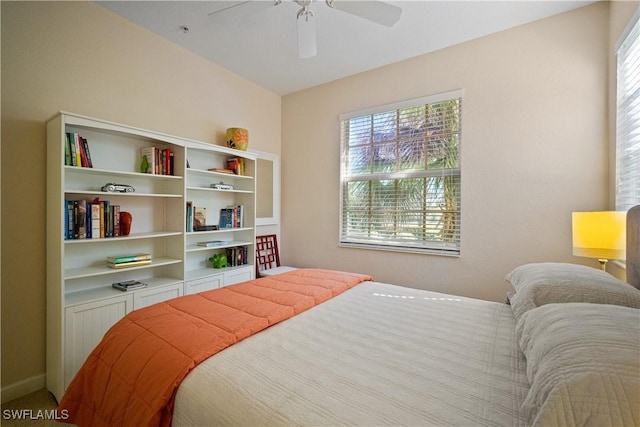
<point x="599" y="234"/>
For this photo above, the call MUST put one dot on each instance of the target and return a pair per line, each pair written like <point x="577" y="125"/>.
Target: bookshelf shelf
<point x="133" y="236"/>
<point x="95" y="171"/>
<point x="215" y="190"/>
<point x="102" y="269"/>
<point x="97" y="294"/>
<point x="218" y="175"/>
<point x="106" y="195"/>
<point x="81" y="303"/>
<point x="229" y="244"/>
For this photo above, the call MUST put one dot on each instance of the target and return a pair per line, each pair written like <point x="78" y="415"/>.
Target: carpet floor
<point x="33" y="410"/>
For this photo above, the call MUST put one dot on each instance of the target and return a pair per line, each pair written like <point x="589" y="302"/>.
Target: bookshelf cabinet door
<point x="85" y="325"/>
<point x="151" y="296"/>
<point x="238" y="275"/>
<point x="204" y="284"/>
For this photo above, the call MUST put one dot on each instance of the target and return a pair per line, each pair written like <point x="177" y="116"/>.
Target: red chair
<point x="268" y="256"/>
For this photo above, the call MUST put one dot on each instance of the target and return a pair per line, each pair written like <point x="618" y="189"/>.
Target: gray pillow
<point x="582" y="364"/>
<point x="538" y="284"/>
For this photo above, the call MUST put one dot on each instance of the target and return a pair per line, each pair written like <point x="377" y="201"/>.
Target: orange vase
<point x="238" y="138"/>
<point x="125" y="223"/>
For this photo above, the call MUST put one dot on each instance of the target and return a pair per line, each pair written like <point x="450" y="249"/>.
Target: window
<point x="628" y="119"/>
<point x="400" y="176"/>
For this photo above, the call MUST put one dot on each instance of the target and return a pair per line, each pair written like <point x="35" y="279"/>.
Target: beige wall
<point x="534" y="149"/>
<point x="81" y="58"/>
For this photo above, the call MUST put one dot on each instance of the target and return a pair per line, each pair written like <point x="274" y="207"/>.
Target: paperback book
<point x="128" y="264"/>
<point x="129" y="285"/>
<point x="119" y="259"/>
<point x="212" y="243"/>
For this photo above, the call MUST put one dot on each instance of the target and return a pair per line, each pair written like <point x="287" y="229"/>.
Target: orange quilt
<point x="131" y="377"/>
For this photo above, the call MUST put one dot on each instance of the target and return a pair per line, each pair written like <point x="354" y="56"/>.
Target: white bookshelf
<point x="81" y="303"/>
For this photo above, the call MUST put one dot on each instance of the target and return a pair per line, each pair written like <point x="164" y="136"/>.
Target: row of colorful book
<point x="236" y="165"/>
<point x="237" y="256"/>
<point x="232" y="217"/>
<point x="157" y="161"/>
<point x="91" y="219"/>
<point x="76" y="151"/>
<point x="126" y="261"/>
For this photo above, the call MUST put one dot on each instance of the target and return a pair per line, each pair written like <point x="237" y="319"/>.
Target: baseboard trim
<point x="22" y="388"/>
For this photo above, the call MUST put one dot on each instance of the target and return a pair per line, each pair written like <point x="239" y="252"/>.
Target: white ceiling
<point x="258" y="40"/>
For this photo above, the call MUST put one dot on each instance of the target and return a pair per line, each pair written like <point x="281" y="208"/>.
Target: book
<point x="74" y="218"/>
<point x="76" y="144"/>
<point x="226" y="218"/>
<point x="237" y="256"/>
<point x="199" y="217"/>
<point x="72" y="148"/>
<point x="108" y="219"/>
<point x="116" y="220"/>
<point x="236" y="164"/>
<point x="129" y="285"/>
<point x="221" y="170"/>
<point x="67" y="150"/>
<point x="119" y="259"/>
<point x="212" y="243"/>
<point x="82" y="219"/>
<point x="95" y="220"/>
<point x="69" y="221"/>
<point x="101" y="219"/>
<point x="150" y="153"/>
<point x="212" y="227"/>
<point x="83" y="154"/>
<point x="85" y="144"/>
<point x="128" y="264"/>
<point x="189" y="213"/>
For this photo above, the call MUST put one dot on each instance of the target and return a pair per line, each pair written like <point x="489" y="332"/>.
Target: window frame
<point x="626" y="197"/>
<point x="424" y="247"/>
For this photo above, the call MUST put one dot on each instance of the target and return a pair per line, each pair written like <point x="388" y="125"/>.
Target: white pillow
<point x="583" y="364"/>
<point x="538" y="284"/>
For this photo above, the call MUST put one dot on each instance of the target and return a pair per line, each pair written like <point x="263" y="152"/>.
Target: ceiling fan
<point x="372" y="10"/>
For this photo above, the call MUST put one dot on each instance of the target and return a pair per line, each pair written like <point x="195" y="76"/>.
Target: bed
<point x="565" y="351"/>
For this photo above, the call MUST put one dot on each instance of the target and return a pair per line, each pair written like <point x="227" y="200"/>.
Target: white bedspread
<point x="376" y="355"/>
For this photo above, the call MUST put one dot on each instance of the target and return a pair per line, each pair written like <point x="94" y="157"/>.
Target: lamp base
<point x="603" y="263"/>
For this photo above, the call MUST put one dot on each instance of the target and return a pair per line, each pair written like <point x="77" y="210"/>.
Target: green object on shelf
<point x="219" y="261"/>
<point x="144" y="165"/>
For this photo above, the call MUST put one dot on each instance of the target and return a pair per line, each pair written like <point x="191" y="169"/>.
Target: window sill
<point x="621" y="264"/>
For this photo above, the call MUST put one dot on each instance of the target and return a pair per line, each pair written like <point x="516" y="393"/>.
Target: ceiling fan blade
<point x="376" y="11"/>
<point x="307" y="36"/>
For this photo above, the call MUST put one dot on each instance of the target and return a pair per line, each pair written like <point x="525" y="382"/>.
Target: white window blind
<point x="628" y="119"/>
<point x="400" y="176"/>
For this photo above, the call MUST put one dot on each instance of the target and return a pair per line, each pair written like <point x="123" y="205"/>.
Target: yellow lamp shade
<point x="599" y="234"/>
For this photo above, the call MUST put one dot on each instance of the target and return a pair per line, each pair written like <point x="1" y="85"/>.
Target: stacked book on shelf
<point x="129" y="285"/>
<point x="125" y="261"/>
<point x="91" y="219"/>
<point x="236" y="165"/>
<point x="76" y="151"/>
<point x="157" y="161"/>
<point x="232" y="217"/>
